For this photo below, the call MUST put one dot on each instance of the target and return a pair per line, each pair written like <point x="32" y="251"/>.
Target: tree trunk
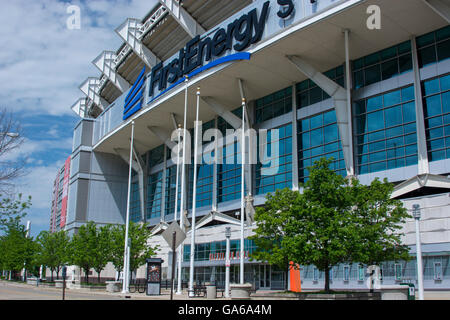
<point x="86" y="275"/>
<point x="327" y="279"/>
<point x="98" y="276"/>
<point x="52" y="274"/>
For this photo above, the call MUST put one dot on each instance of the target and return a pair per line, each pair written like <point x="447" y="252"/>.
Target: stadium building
<point x="366" y="82"/>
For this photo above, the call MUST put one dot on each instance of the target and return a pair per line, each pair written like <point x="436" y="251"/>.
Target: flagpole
<point x="175" y="218"/>
<point x="126" y="253"/>
<point x="194" y="199"/>
<point x="242" y="194"/>
<point x="178" y="171"/>
<point x="183" y="173"/>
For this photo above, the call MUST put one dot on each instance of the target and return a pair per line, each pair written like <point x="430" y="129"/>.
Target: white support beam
<point x="421" y="181"/>
<point x="221" y="111"/>
<point x="80" y="108"/>
<point x="159" y="228"/>
<point x="163" y="136"/>
<point x="174" y="121"/>
<point x="106" y="63"/>
<point x="441" y="7"/>
<point x="339" y="96"/>
<point x="217" y="216"/>
<point x="186" y="21"/>
<point x="132" y="31"/>
<point x="138" y="165"/>
<point x="90" y="87"/>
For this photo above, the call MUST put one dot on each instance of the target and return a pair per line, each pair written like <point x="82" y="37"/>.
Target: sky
<point x="42" y="64"/>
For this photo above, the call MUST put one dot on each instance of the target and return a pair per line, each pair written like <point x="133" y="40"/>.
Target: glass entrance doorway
<point x="264" y="277"/>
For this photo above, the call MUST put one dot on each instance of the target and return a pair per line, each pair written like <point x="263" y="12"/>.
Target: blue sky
<point x="42" y="63"/>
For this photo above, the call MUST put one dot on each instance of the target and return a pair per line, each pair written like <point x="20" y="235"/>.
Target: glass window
<point x="437" y="114"/>
<point x="270" y="177"/>
<point x="135" y="203"/>
<point x="434" y="46"/>
<point x="309" y="93"/>
<point x="382" y="65"/>
<point x="319" y="137"/>
<point x="154" y="195"/>
<point x="382" y="141"/>
<point x="274" y="105"/>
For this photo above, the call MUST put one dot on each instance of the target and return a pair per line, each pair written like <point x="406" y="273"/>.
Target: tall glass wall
<point x="229" y="172"/>
<point x="318" y="137"/>
<point x="436" y="94"/>
<point x="434" y="47"/>
<point x="268" y="176"/>
<point x="382" y="65"/>
<point x="385" y="127"/>
<point x="154" y="195"/>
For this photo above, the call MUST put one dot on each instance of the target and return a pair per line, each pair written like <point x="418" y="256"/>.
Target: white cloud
<point x="29" y="147"/>
<point x="42" y="62"/>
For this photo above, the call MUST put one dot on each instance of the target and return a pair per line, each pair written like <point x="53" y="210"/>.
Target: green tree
<point x="54" y="252"/>
<point x="13" y="210"/>
<point x="334" y="220"/>
<point x="17" y="250"/>
<point x="270" y="232"/>
<point x="321" y="232"/>
<point x="378" y="219"/>
<point x="140" y="251"/>
<point x="103" y="251"/>
<point x="84" y="248"/>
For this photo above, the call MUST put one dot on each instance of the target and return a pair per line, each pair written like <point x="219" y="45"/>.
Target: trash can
<point x="211" y="291"/>
<point x="411" y="291"/>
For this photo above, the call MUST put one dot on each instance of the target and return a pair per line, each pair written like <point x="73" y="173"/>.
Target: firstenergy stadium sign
<point x="225" y="43"/>
<point x="237" y="36"/>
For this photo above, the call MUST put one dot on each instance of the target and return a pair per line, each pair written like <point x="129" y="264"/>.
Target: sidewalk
<point x="165" y="294"/>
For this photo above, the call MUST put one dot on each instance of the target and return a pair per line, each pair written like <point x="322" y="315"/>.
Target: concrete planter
<point x="32" y="281"/>
<point x="340" y="296"/>
<point x="113" y="286"/>
<point x="75" y="284"/>
<point x="399" y="292"/>
<point x="241" y="291"/>
<point x="58" y="283"/>
<point x="211" y="291"/>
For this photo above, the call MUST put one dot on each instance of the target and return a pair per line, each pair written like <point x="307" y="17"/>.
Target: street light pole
<point x="242" y="195"/>
<point x="227" y="263"/>
<point x="416" y="215"/>
<point x="183" y="186"/>
<point x="126" y="256"/>
<point x="194" y="200"/>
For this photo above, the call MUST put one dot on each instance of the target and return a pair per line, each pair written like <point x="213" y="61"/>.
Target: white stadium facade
<point x="366" y="82"/>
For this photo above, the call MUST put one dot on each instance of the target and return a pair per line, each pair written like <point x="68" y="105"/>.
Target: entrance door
<point x="264" y="277"/>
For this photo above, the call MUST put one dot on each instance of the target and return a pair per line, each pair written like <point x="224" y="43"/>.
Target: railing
<point x="152" y="21"/>
<point x="122" y="54"/>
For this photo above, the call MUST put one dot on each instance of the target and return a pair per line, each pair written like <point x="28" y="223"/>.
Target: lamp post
<point x="126" y="258"/>
<point x="241" y="255"/>
<point x="227" y="263"/>
<point x="416" y="215"/>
